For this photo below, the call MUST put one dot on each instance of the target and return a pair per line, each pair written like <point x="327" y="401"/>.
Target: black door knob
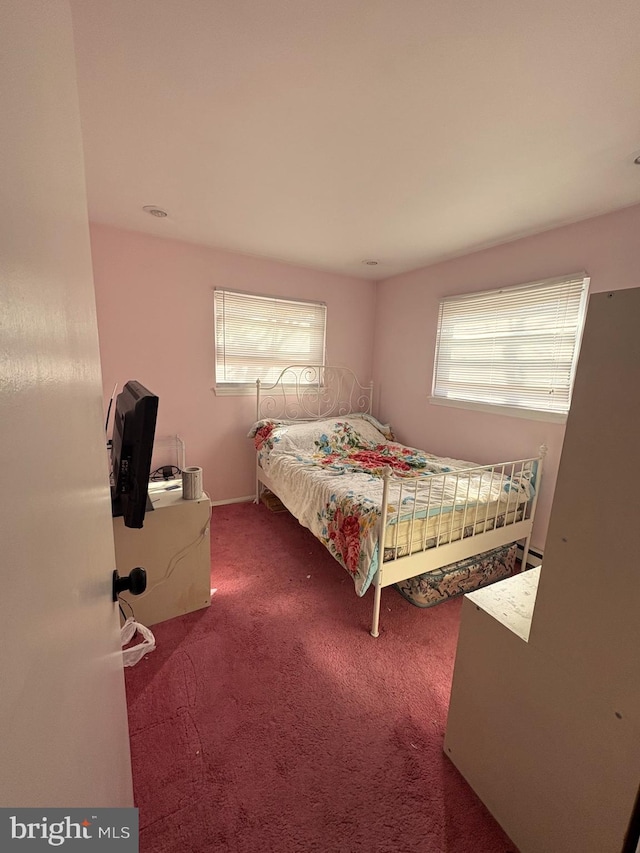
<point x="135" y="582"/>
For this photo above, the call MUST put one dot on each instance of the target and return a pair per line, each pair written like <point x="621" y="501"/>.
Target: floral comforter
<point x="329" y="476"/>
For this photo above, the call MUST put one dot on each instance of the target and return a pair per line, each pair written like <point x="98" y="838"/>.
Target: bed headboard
<point x="307" y="392"/>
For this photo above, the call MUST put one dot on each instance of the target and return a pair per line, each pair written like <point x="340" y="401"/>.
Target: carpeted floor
<point x="272" y="721"/>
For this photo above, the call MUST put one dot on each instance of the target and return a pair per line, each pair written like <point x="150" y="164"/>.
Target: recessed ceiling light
<point x="637" y="160"/>
<point x="155" y="211"/>
<point x="371" y="263"/>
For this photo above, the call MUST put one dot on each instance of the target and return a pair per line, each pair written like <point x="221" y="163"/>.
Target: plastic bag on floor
<point x="133" y="654"/>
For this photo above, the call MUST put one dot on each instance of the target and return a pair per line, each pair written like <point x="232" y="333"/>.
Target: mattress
<point x="410" y="536"/>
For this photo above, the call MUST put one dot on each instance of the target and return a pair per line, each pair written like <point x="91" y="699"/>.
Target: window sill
<point x="234" y="390"/>
<point x="505" y="411"/>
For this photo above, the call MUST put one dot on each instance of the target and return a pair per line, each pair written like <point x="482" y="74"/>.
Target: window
<point x="515" y="348"/>
<point x="257" y="336"/>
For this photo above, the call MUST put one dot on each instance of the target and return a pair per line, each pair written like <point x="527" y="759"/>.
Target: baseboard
<point x="244" y="500"/>
<point x="534" y="557"/>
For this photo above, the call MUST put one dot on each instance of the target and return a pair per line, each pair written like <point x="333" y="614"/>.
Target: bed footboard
<point x="450" y="516"/>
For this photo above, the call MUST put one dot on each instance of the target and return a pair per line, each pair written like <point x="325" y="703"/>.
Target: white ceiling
<point x="324" y="132"/>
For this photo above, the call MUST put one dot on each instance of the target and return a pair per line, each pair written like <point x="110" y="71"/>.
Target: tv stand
<point x="173" y="547"/>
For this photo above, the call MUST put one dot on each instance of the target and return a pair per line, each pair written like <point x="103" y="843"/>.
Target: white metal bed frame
<point x="314" y="392"/>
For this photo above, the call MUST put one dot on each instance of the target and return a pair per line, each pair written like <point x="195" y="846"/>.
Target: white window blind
<point x="258" y="336"/>
<point x="515" y="347"/>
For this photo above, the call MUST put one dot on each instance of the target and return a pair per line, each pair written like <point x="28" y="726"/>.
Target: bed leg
<point x="375" y="622"/>
<point x="525" y="554"/>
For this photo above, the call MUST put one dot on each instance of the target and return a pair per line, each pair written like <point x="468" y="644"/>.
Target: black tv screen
<point x="131" y="450"/>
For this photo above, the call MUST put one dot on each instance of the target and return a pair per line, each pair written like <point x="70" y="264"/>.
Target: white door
<point x="63" y="725"/>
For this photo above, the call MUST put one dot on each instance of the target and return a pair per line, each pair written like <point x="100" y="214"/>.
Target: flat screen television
<point x="134" y="429"/>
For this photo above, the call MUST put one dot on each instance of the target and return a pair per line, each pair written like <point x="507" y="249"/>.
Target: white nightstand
<point x="174" y="548"/>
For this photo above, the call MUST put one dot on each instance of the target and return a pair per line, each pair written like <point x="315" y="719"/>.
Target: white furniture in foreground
<point x="510" y="601"/>
<point x="174" y="549"/>
<point x="544" y="719"/>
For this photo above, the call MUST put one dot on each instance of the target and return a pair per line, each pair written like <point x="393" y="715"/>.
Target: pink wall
<point x="155" y="317"/>
<point x="164" y="338"/>
<point x="607" y="247"/>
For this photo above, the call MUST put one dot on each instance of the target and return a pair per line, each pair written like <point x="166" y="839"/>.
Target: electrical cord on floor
<point x="122" y="601"/>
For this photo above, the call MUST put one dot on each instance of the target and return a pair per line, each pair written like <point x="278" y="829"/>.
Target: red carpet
<point x="272" y="721"/>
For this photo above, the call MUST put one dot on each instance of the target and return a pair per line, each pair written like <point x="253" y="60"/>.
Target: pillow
<point x="259" y="424"/>
<point x="309" y="437"/>
<point x="385" y="429"/>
